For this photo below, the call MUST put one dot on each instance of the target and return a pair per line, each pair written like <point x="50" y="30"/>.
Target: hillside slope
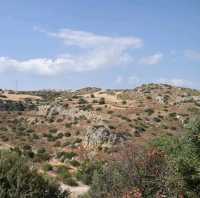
<point x="59" y="130"/>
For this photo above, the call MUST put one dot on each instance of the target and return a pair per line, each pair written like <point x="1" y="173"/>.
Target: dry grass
<point x="20" y="97"/>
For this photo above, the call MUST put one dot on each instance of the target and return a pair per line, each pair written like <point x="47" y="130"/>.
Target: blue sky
<point x="110" y="44"/>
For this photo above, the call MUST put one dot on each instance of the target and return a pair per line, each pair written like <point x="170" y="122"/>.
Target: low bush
<point x="102" y="101"/>
<point x="146" y="172"/>
<point x="42" y="155"/>
<point x="149" y="111"/>
<point x="71" y="181"/>
<point x="18" y="181"/>
<point x="169" y="167"/>
<point x="124" y="102"/>
<point x="66" y="155"/>
<point x="86" y="171"/>
<point x="82" y="101"/>
<point x="63" y="173"/>
<point x="74" y="163"/>
<point x="184" y="155"/>
<point x="53" y="130"/>
<point x="68" y="125"/>
<point x="47" y="167"/>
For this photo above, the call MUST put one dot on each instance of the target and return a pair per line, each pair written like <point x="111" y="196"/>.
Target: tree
<point x="102" y="101"/>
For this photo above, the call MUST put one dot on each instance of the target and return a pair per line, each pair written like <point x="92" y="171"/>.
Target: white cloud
<point x="96" y="51"/>
<point x="40" y="66"/>
<point x="192" y="54"/>
<point x="90" y="40"/>
<point x="175" y="82"/>
<point x="151" y="60"/>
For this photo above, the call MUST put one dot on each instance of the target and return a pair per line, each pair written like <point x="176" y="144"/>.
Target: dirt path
<point x="76" y="191"/>
<point x="5" y="146"/>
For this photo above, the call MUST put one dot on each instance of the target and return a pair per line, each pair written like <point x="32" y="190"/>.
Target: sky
<point x="69" y="44"/>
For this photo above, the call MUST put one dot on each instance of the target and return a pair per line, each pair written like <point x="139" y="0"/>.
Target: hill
<point x="60" y="130"/>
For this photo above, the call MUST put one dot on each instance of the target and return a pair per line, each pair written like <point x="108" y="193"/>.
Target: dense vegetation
<point x="184" y="155"/>
<point x="19" y="180"/>
<point x="16" y="106"/>
<point x="168" y="168"/>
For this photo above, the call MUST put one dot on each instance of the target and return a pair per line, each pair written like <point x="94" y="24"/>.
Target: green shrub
<point x="54" y="130"/>
<point x="3" y="129"/>
<point x="92" y="96"/>
<point x="82" y="101"/>
<point x="30" y="130"/>
<point x="112" y="127"/>
<point x="42" y="155"/>
<point x="66" y="155"/>
<point x="18" y="181"/>
<point x="69" y="155"/>
<point x="63" y="172"/>
<point x="70" y="181"/>
<point x="27" y="147"/>
<point x="47" y="167"/>
<point x="147" y="171"/>
<point x="124" y="102"/>
<point x="172" y="115"/>
<point x="98" y="109"/>
<point x="86" y="171"/>
<point x="35" y="136"/>
<point x="60" y="135"/>
<point x="57" y="144"/>
<point x="148" y="97"/>
<point x="77" y="140"/>
<point x="94" y="101"/>
<point x="185" y="157"/>
<point x="50" y="137"/>
<point x="67" y="134"/>
<point x="74" y="163"/>
<point x="110" y="112"/>
<point x="68" y="125"/>
<point x="149" y="111"/>
<point x="156" y="119"/>
<point x="102" y="101"/>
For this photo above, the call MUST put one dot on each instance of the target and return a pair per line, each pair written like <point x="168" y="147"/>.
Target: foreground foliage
<point x="135" y="173"/>
<point x="184" y="154"/>
<point x="18" y="180"/>
<point x="170" y="167"/>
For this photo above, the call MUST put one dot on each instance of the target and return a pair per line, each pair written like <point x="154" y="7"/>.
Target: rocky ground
<point x="59" y="130"/>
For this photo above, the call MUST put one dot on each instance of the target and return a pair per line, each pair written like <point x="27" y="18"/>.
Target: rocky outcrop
<point x="187" y="99"/>
<point x="101" y="136"/>
<point x="72" y="112"/>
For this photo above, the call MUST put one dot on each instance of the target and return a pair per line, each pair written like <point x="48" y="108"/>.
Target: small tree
<point x="102" y="101"/>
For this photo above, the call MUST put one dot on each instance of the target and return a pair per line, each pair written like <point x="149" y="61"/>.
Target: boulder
<point x="102" y="136"/>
